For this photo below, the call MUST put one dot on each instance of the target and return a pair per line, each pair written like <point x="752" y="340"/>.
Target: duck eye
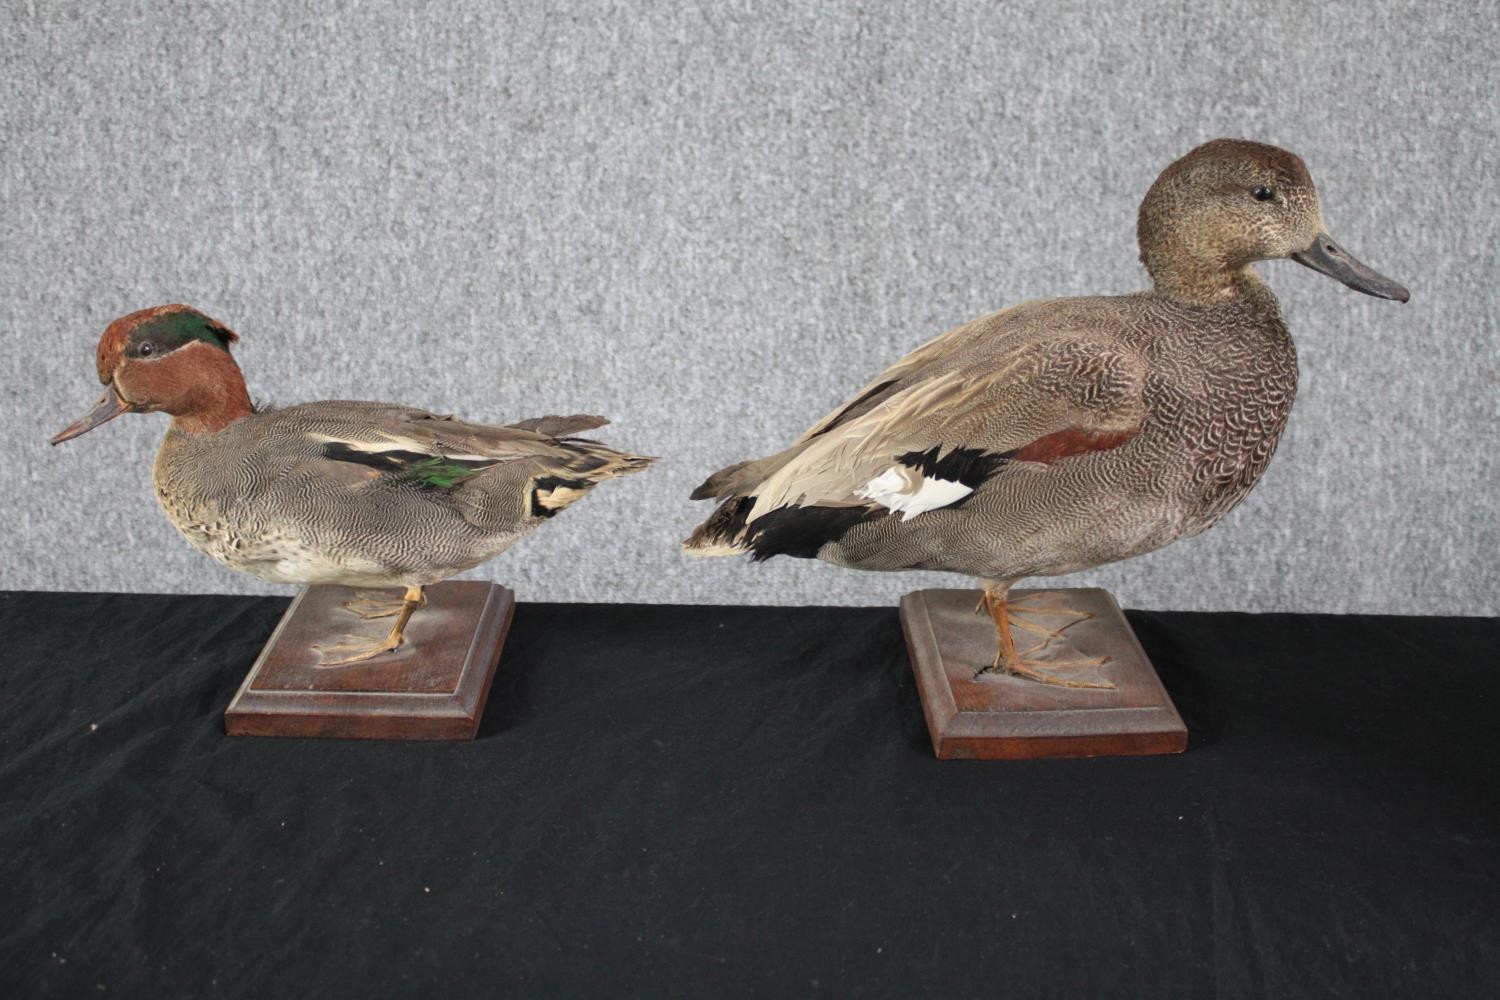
<point x="1262" y="193"/>
<point x="145" y="349"/>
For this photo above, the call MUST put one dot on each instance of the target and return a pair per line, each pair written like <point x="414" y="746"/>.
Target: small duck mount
<point x="1094" y="693"/>
<point x="345" y="492"/>
<point x="432" y="687"/>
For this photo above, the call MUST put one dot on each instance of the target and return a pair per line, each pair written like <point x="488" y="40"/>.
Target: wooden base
<point x="996" y="716"/>
<point x="431" y="688"/>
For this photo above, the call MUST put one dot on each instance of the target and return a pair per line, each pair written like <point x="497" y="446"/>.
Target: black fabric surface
<point x="672" y="800"/>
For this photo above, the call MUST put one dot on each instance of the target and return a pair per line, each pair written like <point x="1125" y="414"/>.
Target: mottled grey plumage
<point x="325" y="492"/>
<point x="1059" y="435"/>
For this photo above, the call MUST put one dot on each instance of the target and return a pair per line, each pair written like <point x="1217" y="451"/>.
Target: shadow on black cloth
<point x="743" y="800"/>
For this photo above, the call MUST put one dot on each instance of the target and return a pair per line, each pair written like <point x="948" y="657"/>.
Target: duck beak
<point x="1329" y="258"/>
<point x="105" y="408"/>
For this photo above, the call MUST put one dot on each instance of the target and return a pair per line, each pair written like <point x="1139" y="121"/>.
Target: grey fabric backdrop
<point x="712" y="222"/>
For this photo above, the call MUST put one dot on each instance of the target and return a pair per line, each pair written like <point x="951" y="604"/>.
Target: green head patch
<point x="168" y="331"/>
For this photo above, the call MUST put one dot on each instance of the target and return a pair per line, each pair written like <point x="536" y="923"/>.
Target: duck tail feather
<point x="723" y="534"/>
<point x="720" y="485"/>
<point x="556" y="426"/>
<point x="581" y="458"/>
<point x="586" y="465"/>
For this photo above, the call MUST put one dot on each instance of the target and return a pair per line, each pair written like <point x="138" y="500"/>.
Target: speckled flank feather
<point x="1061" y="434"/>
<point x="372" y="494"/>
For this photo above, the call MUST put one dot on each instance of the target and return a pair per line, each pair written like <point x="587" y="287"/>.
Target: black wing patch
<point x="969" y="466"/>
<point x="801" y="531"/>
<point x="787" y="531"/>
<point x="385" y="461"/>
<point x="430" y="472"/>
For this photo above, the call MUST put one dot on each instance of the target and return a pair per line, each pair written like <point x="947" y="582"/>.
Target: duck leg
<point x="354" y="649"/>
<point x="371" y="604"/>
<point x="1009" y="661"/>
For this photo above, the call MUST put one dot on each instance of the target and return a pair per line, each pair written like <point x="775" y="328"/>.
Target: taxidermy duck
<point x="1058" y="435"/>
<point x="339" y="492"/>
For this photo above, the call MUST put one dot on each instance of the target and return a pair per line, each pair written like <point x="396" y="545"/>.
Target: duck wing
<point x="910" y="369"/>
<point x="383" y="426"/>
<point x="349" y="439"/>
<point x="936" y="436"/>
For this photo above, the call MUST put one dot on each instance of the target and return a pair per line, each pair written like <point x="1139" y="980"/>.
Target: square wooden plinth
<point x="432" y="688"/>
<point x="995" y="716"/>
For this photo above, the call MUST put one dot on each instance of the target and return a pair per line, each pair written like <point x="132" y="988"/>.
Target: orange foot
<point x="355" y="649"/>
<point x="1033" y="666"/>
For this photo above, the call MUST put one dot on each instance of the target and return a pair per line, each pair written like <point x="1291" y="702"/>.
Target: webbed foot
<point x="354" y="649"/>
<point x="357" y="649"/>
<point x="1051" y="671"/>
<point x="1049" y="660"/>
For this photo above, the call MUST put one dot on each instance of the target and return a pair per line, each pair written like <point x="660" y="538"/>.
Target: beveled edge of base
<point x="938" y="706"/>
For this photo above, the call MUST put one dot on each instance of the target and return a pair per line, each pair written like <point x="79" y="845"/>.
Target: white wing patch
<point x="904" y="489"/>
<point x="393" y="442"/>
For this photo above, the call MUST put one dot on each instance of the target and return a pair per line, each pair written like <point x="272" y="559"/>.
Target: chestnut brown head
<point x="171" y="359"/>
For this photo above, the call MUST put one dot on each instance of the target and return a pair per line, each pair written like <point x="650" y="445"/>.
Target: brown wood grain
<point x="433" y="687"/>
<point x="1000" y="717"/>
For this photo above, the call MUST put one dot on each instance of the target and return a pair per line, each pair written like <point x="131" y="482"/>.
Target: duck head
<point x="1229" y="203"/>
<point x="171" y="359"/>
